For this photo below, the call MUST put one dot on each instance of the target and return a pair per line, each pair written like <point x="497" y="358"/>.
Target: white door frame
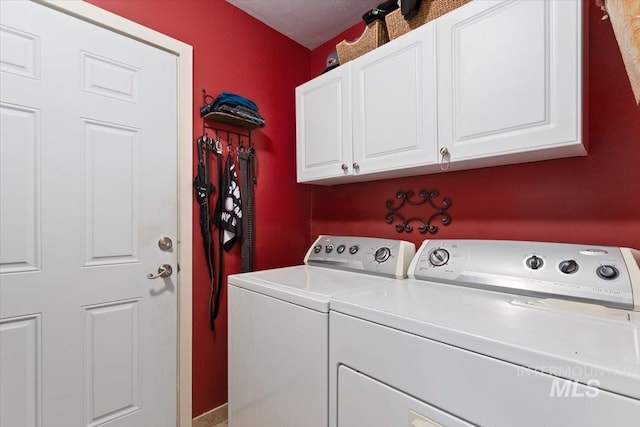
<point x="184" y="56"/>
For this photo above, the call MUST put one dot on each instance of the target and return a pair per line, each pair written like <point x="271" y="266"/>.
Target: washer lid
<point x="308" y="286"/>
<point x="568" y="342"/>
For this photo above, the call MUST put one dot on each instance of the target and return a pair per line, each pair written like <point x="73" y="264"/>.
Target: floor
<point x="217" y="417"/>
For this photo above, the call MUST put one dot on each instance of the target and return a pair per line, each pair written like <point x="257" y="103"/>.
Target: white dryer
<point x="492" y="333"/>
<point x="279" y="328"/>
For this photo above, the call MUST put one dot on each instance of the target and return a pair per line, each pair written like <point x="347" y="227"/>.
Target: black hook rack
<point x="240" y="138"/>
<point x="222" y="117"/>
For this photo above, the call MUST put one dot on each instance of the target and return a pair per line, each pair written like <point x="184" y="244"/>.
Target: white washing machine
<point x="492" y="333"/>
<point x="279" y="328"/>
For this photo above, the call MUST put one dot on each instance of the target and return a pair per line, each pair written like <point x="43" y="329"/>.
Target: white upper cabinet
<point x="323" y="126"/>
<point x="490" y="83"/>
<point x="509" y="81"/>
<point x="372" y="117"/>
<point x="394" y="105"/>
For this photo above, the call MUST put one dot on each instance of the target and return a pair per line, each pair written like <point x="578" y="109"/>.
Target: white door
<point x="323" y="126"/>
<point x="394" y="104"/>
<point x="509" y="79"/>
<point x="88" y="187"/>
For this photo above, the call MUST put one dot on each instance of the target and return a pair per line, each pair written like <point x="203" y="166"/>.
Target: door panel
<point x="323" y="126"/>
<point x="111" y="193"/>
<point x="107" y="77"/>
<point x="20" y="356"/>
<point x="88" y="187"/>
<point x="112" y="364"/>
<point x="505" y="95"/>
<point x="489" y="61"/>
<point x="20" y="52"/>
<point x="19" y="164"/>
<point x="394" y="106"/>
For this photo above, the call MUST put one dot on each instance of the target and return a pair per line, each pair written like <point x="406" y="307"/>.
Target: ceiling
<point x="308" y="22"/>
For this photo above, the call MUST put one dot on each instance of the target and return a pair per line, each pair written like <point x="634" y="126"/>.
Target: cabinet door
<point x="509" y="81"/>
<point x="323" y="126"/>
<point x="394" y="108"/>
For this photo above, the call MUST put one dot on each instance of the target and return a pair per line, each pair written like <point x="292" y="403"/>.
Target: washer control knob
<point x="439" y="257"/>
<point x="328" y="249"/>
<point x="534" y="262"/>
<point x="568" y="266"/>
<point x="607" y="272"/>
<point x="353" y="249"/>
<point x="382" y="254"/>
<point x="317" y="249"/>
<point x="341" y="248"/>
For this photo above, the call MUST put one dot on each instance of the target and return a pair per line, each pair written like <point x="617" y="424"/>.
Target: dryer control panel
<point x="603" y="275"/>
<point x="383" y="257"/>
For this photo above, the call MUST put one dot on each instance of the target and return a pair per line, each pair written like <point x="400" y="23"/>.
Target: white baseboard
<point x="212" y="418"/>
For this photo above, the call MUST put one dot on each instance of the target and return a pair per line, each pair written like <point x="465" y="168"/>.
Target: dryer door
<point x="363" y="401"/>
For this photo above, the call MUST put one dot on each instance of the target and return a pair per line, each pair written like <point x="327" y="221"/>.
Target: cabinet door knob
<point x="356" y="166"/>
<point x="445" y="159"/>
<point x="345" y="167"/>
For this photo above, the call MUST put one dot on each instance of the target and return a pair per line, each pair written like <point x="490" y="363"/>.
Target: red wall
<point x="234" y="52"/>
<point x="593" y="199"/>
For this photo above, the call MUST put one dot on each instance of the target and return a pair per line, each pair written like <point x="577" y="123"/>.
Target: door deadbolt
<point x="164" y="271"/>
<point x="165" y="243"/>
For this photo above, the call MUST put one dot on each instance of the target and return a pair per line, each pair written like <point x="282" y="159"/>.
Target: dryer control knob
<point x="569" y="266"/>
<point x="439" y="257"/>
<point x="534" y="262"/>
<point x="382" y="254"/>
<point x="353" y="249"/>
<point x="607" y="272"/>
<point x="317" y="249"/>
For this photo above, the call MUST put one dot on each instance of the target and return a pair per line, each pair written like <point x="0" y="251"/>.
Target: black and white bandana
<point x="229" y="206"/>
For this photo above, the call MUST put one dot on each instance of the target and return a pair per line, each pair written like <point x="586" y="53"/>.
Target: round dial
<point x="328" y="249"/>
<point x="340" y="248"/>
<point x="382" y="254"/>
<point x="353" y="249"/>
<point x="317" y="249"/>
<point x="439" y="257"/>
<point x="534" y="262"/>
<point x="568" y="266"/>
<point x="607" y="272"/>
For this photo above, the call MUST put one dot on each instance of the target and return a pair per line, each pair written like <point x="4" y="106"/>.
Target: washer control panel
<point x="383" y="257"/>
<point x="593" y="274"/>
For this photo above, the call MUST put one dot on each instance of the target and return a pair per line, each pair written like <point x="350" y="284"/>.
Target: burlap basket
<point x="429" y="10"/>
<point x="374" y="35"/>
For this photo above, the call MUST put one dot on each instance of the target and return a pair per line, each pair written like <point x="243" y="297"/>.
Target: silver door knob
<point x="445" y="158"/>
<point x="345" y="167"/>
<point x="356" y="166"/>
<point x="164" y="271"/>
<point x="165" y="243"/>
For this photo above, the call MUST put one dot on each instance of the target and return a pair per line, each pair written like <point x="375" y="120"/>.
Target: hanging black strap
<point x="247" y="181"/>
<point x="214" y="302"/>
<point x="203" y="189"/>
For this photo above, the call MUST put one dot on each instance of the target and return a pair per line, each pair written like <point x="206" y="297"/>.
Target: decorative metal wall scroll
<point x="424" y="196"/>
